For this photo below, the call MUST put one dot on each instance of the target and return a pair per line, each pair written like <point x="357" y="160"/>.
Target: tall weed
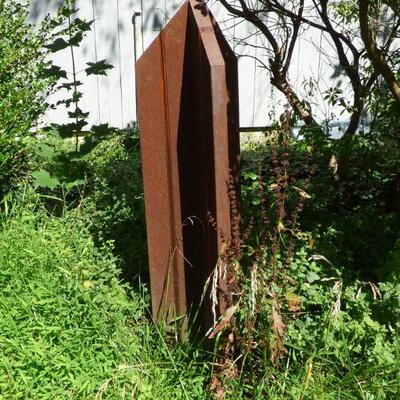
<point x="303" y="327"/>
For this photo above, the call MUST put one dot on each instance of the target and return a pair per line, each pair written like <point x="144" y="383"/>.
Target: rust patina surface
<point x="188" y="114"/>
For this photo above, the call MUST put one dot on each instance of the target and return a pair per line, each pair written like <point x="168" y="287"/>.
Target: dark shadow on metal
<point x="197" y="183"/>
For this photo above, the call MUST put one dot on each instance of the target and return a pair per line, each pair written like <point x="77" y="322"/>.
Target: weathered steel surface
<point x="188" y="113"/>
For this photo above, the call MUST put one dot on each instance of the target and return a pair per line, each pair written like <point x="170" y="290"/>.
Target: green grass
<point x="69" y="328"/>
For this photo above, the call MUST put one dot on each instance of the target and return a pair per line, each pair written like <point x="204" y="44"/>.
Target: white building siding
<point x="112" y="98"/>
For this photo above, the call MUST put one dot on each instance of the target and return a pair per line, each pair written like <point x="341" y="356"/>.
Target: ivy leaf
<point x="42" y="178"/>
<point x="98" y="68"/>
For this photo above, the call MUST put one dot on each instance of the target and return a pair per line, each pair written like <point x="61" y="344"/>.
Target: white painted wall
<point x="112" y="98"/>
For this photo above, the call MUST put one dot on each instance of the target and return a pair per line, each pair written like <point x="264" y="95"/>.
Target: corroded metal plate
<point x="188" y="114"/>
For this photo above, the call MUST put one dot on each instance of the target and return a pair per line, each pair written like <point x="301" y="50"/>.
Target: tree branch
<point x="277" y="64"/>
<point x="295" y="33"/>
<point x="376" y="56"/>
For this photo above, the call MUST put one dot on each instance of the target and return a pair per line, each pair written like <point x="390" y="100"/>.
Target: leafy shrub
<point x="70" y="329"/>
<point x="23" y="87"/>
<point x="103" y="177"/>
<point x="303" y="326"/>
<point x="28" y="76"/>
<point x="115" y="200"/>
<point x="354" y="223"/>
<point x="350" y="326"/>
<point x="311" y="334"/>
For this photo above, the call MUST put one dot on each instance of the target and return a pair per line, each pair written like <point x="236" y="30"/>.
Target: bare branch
<point x="255" y="20"/>
<point x="281" y="53"/>
<point x="295" y="34"/>
<point x="376" y="56"/>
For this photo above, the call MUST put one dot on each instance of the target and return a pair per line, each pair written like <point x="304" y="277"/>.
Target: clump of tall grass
<point x="68" y="327"/>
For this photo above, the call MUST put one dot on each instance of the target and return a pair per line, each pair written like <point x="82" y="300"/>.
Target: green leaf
<point x="57" y="45"/>
<point x="67" y="10"/>
<point x="312" y="277"/>
<point x="98" y="68"/>
<point x="70" y="85"/>
<point x="74" y="99"/>
<point x="42" y="178"/>
<point x="251" y="175"/>
<point x="82" y="25"/>
<point x="46" y="151"/>
<point x="55" y="72"/>
<point x="371" y="323"/>
<point x="102" y="130"/>
<point x="75" y="40"/>
<point x="78" y="113"/>
<point x="70" y="185"/>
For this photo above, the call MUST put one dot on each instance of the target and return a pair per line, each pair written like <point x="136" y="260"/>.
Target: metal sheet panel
<point x="188" y="109"/>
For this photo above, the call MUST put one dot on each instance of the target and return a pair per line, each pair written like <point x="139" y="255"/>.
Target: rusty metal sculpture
<point x="188" y="113"/>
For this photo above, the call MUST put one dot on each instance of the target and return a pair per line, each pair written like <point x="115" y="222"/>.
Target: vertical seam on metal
<point x="204" y="148"/>
<point x="167" y="137"/>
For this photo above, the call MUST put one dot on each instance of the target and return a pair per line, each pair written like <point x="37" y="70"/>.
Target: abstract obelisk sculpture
<point x="189" y="128"/>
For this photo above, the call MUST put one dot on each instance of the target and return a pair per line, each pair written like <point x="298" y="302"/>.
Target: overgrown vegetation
<point x="69" y="328"/>
<point x="316" y="313"/>
<point x="317" y="327"/>
<point x="23" y="86"/>
<point x="104" y="179"/>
